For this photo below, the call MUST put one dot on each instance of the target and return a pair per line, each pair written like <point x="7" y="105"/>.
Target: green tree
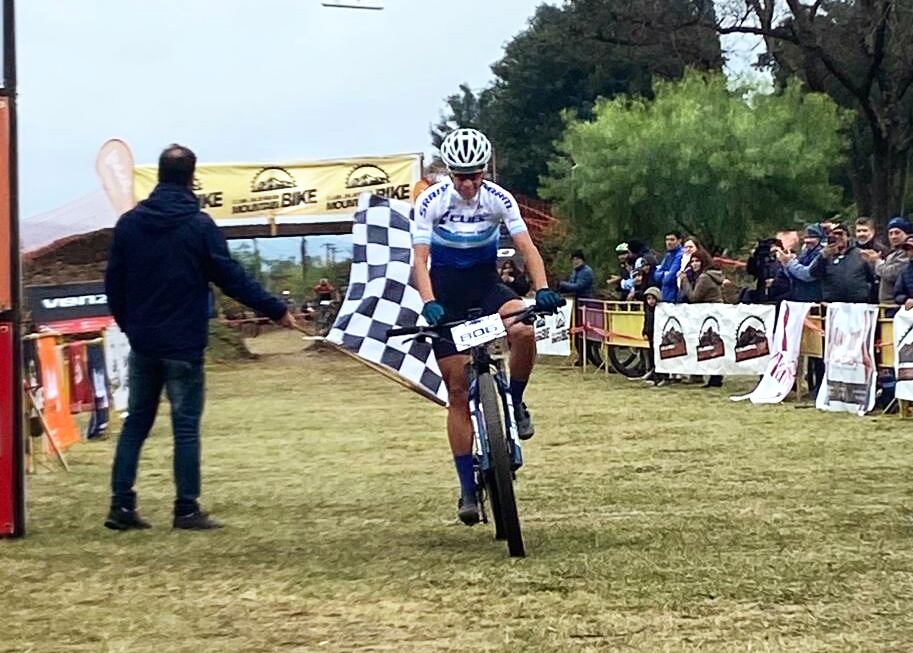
<point x="722" y="165"/>
<point x="567" y="58"/>
<point x="858" y="52"/>
<point x="464" y="109"/>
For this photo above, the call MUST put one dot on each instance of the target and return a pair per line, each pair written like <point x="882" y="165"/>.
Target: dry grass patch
<point x="655" y="520"/>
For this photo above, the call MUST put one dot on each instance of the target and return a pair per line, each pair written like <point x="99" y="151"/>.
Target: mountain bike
<point x="496" y="447"/>
<point x="324" y="316"/>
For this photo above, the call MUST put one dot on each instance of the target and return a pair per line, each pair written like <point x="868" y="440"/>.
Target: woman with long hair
<point x="704" y="285"/>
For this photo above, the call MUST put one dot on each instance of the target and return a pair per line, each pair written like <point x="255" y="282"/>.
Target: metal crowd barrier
<point x="605" y="323"/>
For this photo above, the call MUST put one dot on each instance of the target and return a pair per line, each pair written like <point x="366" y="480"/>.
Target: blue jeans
<point x="184" y="385"/>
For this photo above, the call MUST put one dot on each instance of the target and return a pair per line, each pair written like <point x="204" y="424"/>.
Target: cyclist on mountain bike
<point x="457" y="225"/>
<point x="323" y="291"/>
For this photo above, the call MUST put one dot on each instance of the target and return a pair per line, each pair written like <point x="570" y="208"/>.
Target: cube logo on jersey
<point x="463" y="218"/>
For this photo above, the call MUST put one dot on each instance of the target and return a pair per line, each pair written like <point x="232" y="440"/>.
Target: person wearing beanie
<point x="805" y="287"/>
<point x="903" y="287"/>
<point x="896" y="260"/>
<point x="652" y="297"/>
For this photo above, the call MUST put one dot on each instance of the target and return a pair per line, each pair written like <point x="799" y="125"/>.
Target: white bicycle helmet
<point x="465" y="151"/>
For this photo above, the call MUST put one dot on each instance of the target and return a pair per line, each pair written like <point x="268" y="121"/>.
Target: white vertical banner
<point x="117" y="365"/>
<point x="849" y="359"/>
<point x="780" y="374"/>
<point x="903" y="354"/>
<point x="553" y="331"/>
<point x="721" y="339"/>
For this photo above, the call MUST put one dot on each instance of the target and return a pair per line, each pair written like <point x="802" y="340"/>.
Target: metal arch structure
<point x="12" y="477"/>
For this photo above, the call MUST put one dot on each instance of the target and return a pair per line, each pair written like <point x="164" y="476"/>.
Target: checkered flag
<point x="381" y="297"/>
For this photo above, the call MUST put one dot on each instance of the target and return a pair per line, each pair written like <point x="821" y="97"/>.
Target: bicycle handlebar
<point x="427" y="330"/>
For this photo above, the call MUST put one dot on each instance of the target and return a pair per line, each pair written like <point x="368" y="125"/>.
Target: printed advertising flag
<point x="849" y="359"/>
<point x="903" y="354"/>
<point x="780" y="374"/>
<point x="117" y="366"/>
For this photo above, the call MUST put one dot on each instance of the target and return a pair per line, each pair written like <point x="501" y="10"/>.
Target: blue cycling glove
<point x="547" y="299"/>
<point x="433" y="312"/>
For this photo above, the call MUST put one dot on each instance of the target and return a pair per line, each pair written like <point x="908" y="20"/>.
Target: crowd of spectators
<point x="831" y="263"/>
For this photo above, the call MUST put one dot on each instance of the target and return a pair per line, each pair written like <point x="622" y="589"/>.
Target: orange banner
<point x="56" y="400"/>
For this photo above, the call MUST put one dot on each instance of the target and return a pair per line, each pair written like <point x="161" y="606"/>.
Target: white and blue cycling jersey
<point x="464" y="234"/>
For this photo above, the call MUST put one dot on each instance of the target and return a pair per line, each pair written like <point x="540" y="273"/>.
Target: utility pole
<point x="330" y="259"/>
<point x="258" y="270"/>
<point x="304" y="261"/>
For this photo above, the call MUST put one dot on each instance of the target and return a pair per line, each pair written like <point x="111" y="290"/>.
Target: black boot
<point x="123" y="519"/>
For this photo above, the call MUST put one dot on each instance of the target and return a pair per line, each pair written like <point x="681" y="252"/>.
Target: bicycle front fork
<point x="480" y="449"/>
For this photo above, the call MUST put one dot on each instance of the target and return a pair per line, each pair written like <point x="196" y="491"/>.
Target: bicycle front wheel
<point x="501" y="478"/>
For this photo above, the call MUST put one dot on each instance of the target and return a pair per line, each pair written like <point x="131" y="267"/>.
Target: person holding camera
<point x="805" y="287"/>
<point x="846" y="275"/>
<point x="772" y="285"/>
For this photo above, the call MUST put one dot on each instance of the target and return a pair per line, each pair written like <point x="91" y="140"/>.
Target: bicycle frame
<point x="481" y="361"/>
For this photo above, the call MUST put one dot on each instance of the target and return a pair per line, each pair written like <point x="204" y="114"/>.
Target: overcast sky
<point x="239" y="80"/>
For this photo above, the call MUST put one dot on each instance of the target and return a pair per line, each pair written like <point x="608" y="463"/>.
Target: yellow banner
<point x="321" y="189"/>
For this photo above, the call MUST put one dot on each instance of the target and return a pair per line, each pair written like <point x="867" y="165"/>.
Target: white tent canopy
<point x="84" y="215"/>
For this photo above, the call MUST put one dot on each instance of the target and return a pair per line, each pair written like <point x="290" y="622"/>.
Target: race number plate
<point x="478" y="332"/>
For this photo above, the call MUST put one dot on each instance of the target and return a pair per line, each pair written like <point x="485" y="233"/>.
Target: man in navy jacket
<point x="165" y="254"/>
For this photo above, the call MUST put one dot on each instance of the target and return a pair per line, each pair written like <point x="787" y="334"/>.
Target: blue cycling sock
<point x="516" y="390"/>
<point x="466" y="473"/>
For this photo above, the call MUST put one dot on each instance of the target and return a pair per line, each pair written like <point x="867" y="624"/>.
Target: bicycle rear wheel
<point x="500" y="479"/>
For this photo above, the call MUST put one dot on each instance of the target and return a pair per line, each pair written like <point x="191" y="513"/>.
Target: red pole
<point x="12" y="478"/>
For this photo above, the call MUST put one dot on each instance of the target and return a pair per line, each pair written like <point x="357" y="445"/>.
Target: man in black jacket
<point x="846" y="275"/>
<point x="903" y="287"/>
<point x="164" y="255"/>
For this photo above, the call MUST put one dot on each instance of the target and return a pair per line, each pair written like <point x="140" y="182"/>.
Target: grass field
<point x="655" y="520"/>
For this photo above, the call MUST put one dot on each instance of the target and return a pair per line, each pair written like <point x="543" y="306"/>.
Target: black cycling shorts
<point x="460" y="289"/>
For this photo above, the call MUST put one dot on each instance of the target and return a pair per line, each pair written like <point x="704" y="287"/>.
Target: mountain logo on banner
<point x="751" y="339"/>
<point x="367" y="175"/>
<point x="905" y="357"/>
<point x="274" y="178"/>
<point x="672" y="344"/>
<point x="710" y="344"/>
